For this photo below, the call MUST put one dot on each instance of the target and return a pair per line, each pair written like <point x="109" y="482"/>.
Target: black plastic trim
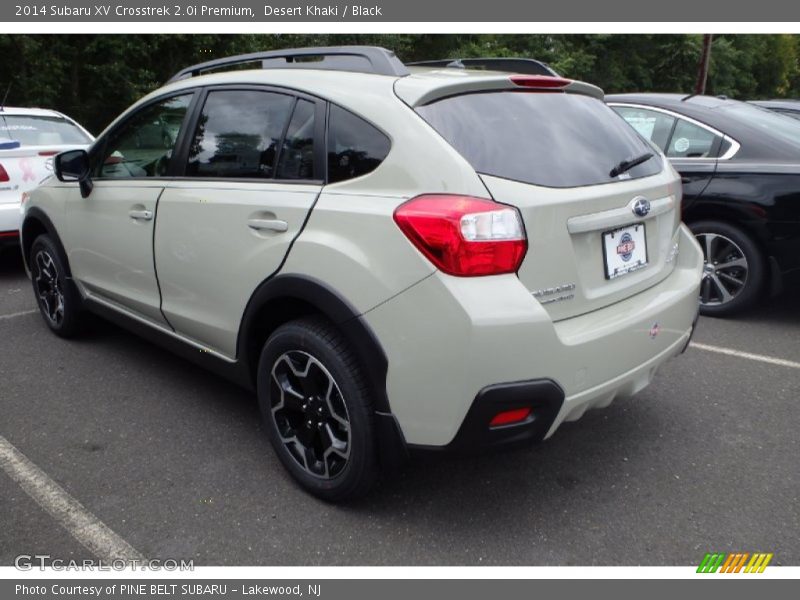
<point x="37" y="214"/>
<point x="544" y="396"/>
<point x="233" y="371"/>
<point x="392" y="448"/>
<point x="338" y="310"/>
<point x="693" y="329"/>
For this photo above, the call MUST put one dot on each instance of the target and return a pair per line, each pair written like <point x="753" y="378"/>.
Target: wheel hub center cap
<point x="314" y="409"/>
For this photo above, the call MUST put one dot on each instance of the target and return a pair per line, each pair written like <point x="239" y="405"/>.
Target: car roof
<point x="33" y="112"/>
<point x="675" y="101"/>
<point x="422" y="84"/>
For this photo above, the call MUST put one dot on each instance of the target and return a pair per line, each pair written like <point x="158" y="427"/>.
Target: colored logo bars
<point x="734" y="562"/>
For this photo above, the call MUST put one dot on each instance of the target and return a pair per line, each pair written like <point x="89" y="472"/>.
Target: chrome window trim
<point x="729" y="153"/>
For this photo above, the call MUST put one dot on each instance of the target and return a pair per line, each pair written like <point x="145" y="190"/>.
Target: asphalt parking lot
<point x="174" y="461"/>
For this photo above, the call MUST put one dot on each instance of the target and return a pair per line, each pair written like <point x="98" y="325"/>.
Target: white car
<point x="391" y="257"/>
<point x="29" y="138"/>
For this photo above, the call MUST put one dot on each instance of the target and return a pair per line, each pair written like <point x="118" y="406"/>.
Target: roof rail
<point x="359" y="59"/>
<point x="525" y="66"/>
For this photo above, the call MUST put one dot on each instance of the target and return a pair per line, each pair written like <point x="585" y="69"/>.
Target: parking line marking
<point x="781" y="362"/>
<point x="87" y="529"/>
<point x="18" y="314"/>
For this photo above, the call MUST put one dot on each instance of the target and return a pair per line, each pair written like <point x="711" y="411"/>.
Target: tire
<point x="735" y="272"/>
<point x="317" y="409"/>
<point x="57" y="297"/>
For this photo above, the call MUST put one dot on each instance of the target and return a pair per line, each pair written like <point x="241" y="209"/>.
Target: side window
<point x="652" y="125"/>
<point x="296" y="160"/>
<point x="143" y="145"/>
<point x="354" y="146"/>
<point x="238" y="134"/>
<point x="692" y="141"/>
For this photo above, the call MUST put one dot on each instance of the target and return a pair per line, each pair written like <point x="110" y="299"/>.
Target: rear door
<point x="253" y="169"/>
<point x="594" y="237"/>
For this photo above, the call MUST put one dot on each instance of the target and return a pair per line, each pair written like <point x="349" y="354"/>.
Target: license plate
<point x="624" y="250"/>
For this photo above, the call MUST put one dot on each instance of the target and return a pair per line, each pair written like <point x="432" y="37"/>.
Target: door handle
<point x="141" y="215"/>
<point x="268" y="224"/>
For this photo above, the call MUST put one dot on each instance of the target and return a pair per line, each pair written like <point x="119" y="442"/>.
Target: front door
<point x="110" y="232"/>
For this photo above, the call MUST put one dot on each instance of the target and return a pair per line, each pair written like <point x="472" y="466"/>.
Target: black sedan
<point x="740" y="167"/>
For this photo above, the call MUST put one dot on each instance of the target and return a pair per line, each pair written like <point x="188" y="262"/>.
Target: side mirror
<point x="73" y="165"/>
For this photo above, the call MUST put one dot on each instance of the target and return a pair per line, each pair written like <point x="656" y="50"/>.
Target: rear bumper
<point x="543" y="396"/>
<point x="448" y="340"/>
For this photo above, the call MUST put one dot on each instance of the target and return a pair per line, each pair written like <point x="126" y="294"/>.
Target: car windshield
<point x="767" y="120"/>
<point x="41" y="131"/>
<point x="548" y="139"/>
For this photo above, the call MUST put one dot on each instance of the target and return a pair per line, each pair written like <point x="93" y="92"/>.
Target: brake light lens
<point x="3" y="174"/>
<point x="508" y="417"/>
<point x="540" y="81"/>
<point x="464" y="236"/>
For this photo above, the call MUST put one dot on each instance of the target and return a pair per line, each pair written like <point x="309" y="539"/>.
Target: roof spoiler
<point x="525" y="66"/>
<point x="358" y="59"/>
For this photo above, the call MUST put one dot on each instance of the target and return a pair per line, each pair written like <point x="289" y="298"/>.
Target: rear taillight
<point x="48" y="152"/>
<point x="464" y="236"/>
<point x="3" y="174"/>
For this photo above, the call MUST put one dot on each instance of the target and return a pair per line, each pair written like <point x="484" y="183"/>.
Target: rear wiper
<point x="627" y="165"/>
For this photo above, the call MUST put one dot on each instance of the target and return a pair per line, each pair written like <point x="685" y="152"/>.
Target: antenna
<point x="3" y="103"/>
<point x="3" y="110"/>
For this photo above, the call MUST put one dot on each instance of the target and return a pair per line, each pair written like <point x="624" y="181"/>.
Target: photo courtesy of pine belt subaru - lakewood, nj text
<point x="394" y="257"/>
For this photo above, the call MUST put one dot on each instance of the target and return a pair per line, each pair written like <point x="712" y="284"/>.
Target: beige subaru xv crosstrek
<point x="392" y="257"/>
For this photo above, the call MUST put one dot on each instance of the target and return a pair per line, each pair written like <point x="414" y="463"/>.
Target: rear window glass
<point x="548" y="139"/>
<point x="41" y="131"/>
<point x="354" y="146"/>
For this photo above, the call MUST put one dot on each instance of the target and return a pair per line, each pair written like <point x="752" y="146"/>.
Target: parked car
<point x="740" y="167"/>
<point x="790" y="108"/>
<point x="29" y="138"/>
<point x="391" y="260"/>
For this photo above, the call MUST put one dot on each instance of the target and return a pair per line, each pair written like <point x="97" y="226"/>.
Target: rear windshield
<point x="549" y="139"/>
<point x="41" y="131"/>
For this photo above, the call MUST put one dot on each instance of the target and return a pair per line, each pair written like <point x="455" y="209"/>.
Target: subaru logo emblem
<point x="641" y="207"/>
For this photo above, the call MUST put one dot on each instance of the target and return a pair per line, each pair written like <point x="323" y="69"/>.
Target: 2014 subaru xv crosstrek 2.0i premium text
<point x="392" y="256"/>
